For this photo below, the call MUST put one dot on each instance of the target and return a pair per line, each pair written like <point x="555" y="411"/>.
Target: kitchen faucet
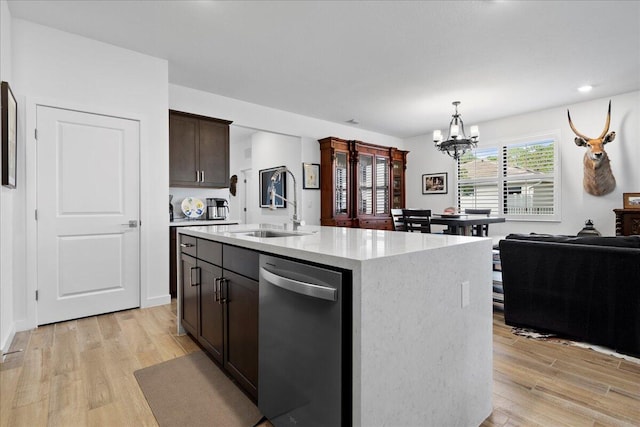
<point x="272" y="195"/>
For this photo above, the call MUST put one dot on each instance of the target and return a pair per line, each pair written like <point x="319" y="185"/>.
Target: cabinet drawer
<point x="344" y="223"/>
<point x="242" y="261"/>
<point x="210" y="251"/>
<point x="188" y="245"/>
<point x="378" y="224"/>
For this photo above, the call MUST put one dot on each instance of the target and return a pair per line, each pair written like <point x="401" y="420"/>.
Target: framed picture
<point x="631" y="200"/>
<point x="265" y="183"/>
<point x="434" y="183"/>
<point x="311" y="176"/>
<point x="9" y="135"/>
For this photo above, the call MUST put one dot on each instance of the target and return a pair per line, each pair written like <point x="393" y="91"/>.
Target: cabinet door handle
<point x="195" y="279"/>
<point x="186" y="245"/>
<point x="215" y="289"/>
<point x="197" y="176"/>
<point x="224" y="282"/>
<point x="201" y="176"/>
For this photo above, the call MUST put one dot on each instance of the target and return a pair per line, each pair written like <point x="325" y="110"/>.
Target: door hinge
<point x="36" y="295"/>
<point x="35" y="134"/>
<point x="36" y="214"/>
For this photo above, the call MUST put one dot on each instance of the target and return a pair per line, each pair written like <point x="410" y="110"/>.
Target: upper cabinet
<point x="360" y="183"/>
<point x="198" y="151"/>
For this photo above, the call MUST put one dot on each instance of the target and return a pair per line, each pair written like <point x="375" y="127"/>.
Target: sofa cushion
<point x="618" y="241"/>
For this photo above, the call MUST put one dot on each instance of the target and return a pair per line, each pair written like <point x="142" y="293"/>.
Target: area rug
<point x="535" y="335"/>
<point x="192" y="391"/>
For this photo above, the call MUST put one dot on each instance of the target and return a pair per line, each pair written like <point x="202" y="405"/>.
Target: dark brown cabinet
<point x="211" y="334"/>
<point x="173" y="271"/>
<point x="190" y="303"/>
<point x="360" y="183"/>
<point x="219" y="305"/>
<point x="241" y="345"/>
<point x="627" y="222"/>
<point x="198" y="151"/>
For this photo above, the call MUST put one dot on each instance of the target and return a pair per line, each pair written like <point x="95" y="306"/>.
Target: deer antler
<point x="586" y="138"/>
<point x="573" y="128"/>
<point x="606" y="125"/>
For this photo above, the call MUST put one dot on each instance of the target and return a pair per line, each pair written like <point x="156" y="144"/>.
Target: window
<point x="517" y="179"/>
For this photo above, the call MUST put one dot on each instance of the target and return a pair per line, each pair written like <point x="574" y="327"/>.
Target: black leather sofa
<point x="584" y="288"/>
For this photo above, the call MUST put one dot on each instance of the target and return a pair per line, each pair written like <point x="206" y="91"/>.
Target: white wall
<point x="7" y="324"/>
<point x="77" y="72"/>
<point x="268" y="151"/>
<point x="239" y="165"/>
<point x="576" y="205"/>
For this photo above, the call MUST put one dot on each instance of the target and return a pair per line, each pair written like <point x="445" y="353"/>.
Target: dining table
<point x="462" y="224"/>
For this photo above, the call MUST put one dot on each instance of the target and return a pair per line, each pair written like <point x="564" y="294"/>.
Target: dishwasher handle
<point x="303" y="288"/>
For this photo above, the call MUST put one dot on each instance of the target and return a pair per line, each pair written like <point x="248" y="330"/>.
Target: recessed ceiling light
<point x="585" y="88"/>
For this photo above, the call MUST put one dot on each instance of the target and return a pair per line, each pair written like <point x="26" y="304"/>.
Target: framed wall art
<point x="265" y="183"/>
<point x="311" y="176"/>
<point x="434" y="183"/>
<point x="631" y="200"/>
<point x="9" y="135"/>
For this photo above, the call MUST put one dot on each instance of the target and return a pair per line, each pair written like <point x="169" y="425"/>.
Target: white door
<point x="87" y="214"/>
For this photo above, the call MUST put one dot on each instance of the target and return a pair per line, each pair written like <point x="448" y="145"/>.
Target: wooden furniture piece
<point x="480" y="230"/>
<point x="627" y="222"/>
<point x="360" y="183"/>
<point x="463" y="225"/>
<point x="417" y="220"/>
<point x="219" y="309"/>
<point x="198" y="151"/>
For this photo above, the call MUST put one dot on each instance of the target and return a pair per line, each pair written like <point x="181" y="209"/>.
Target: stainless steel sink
<point x="270" y="233"/>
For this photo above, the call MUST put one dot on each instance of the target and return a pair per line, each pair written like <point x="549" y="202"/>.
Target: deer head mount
<point x="598" y="179"/>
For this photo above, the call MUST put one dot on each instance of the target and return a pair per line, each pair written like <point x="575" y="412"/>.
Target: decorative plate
<point x="192" y="207"/>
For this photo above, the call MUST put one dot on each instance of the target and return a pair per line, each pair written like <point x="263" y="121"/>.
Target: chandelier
<point x="457" y="142"/>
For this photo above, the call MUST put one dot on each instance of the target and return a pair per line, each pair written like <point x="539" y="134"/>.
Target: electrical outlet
<point x="464" y="290"/>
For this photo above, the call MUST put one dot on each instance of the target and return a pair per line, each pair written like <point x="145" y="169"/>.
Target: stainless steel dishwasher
<point x="304" y="344"/>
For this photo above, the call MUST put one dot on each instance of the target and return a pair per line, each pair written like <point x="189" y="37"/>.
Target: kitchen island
<point x="421" y="316"/>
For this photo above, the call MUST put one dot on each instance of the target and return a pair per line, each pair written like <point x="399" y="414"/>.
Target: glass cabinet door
<point x="382" y="185"/>
<point x="365" y="185"/>
<point x="341" y="204"/>
<point x="397" y="184"/>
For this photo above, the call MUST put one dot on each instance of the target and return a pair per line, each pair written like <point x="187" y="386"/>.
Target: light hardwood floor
<point x="80" y="373"/>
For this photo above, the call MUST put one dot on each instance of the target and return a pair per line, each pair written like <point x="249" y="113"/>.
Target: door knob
<point x="133" y="223"/>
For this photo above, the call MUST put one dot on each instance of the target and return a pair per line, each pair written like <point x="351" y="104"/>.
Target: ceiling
<point x="393" y="66"/>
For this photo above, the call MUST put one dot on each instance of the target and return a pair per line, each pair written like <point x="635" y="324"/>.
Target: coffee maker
<point x="217" y="208"/>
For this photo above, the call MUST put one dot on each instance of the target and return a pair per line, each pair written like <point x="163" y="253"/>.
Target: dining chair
<point x="480" y="230"/>
<point x="417" y="220"/>
<point x="396" y="216"/>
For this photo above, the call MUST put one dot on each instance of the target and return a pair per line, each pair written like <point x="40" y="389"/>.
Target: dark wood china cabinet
<point x="360" y="183"/>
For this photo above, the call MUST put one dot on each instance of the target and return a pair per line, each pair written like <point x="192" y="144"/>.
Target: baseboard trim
<point x="6" y="344"/>
<point x="153" y="301"/>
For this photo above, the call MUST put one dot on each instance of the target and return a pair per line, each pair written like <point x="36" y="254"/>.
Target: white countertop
<point x="339" y="246"/>
<point x="188" y="222"/>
